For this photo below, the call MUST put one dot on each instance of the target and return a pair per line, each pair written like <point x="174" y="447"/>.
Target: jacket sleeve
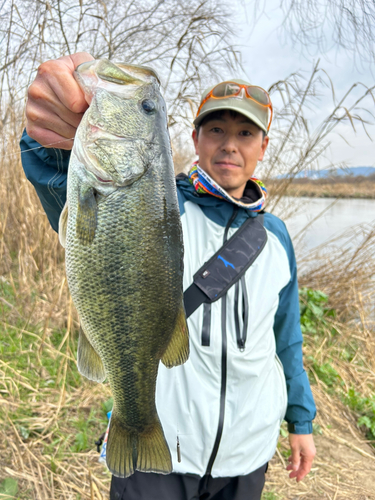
<point x="47" y="170"/>
<point x="301" y="407"/>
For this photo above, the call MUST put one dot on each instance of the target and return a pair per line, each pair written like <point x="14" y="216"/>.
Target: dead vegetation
<point x="341" y="187"/>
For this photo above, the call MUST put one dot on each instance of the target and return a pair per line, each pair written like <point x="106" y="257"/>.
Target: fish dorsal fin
<point x="145" y="73"/>
<point x="110" y="72"/>
<point x="63" y="225"/>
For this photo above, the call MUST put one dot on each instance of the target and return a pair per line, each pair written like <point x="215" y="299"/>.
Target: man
<point x="221" y="411"/>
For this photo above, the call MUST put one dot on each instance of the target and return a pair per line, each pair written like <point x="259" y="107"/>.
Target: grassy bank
<point x="339" y="359"/>
<point x="51" y="416"/>
<point x="329" y="188"/>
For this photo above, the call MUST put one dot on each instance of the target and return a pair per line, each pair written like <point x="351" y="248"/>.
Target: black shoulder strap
<point x="227" y="265"/>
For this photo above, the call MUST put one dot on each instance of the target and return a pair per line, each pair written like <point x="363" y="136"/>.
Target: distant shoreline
<point x="319" y="189"/>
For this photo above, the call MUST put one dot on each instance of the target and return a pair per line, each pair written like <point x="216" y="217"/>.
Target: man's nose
<point x="229" y="145"/>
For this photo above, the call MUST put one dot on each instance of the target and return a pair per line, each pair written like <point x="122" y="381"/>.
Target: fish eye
<point x="148" y="105"/>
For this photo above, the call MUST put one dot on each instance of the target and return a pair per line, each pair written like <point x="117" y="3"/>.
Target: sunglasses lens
<point x="226" y="90"/>
<point x="258" y="95"/>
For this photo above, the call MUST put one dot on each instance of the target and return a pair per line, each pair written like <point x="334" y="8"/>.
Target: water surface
<point x="336" y="217"/>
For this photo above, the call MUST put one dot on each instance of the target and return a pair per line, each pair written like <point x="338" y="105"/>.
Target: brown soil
<point x="344" y="466"/>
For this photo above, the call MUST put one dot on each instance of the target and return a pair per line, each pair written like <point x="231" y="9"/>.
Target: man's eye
<point x="216" y="130"/>
<point x="246" y="133"/>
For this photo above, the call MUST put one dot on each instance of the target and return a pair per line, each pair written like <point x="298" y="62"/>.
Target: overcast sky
<point x="269" y="56"/>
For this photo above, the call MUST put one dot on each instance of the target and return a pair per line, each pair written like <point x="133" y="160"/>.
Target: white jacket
<point x="253" y="400"/>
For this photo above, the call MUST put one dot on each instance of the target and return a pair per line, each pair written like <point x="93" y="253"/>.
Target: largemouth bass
<point x="124" y="255"/>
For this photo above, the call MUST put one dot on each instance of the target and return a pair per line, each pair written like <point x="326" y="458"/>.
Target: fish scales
<point x="124" y="260"/>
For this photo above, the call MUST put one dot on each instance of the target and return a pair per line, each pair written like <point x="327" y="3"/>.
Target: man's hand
<point x="303" y="453"/>
<point x="55" y="102"/>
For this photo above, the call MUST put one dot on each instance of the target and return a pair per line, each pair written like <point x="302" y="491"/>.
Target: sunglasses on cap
<point x="227" y="90"/>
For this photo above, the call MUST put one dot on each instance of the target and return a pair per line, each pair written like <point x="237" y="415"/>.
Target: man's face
<point x="229" y="150"/>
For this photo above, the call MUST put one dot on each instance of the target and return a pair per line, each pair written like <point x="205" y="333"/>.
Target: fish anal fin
<point x="63" y="225"/>
<point x="128" y="450"/>
<point x="177" y="351"/>
<point x="86" y="216"/>
<point x="88" y="360"/>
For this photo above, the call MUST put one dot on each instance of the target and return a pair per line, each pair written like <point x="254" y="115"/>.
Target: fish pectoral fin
<point x="178" y="348"/>
<point x="63" y="225"/>
<point x="88" y="360"/>
<point x="128" y="450"/>
<point x="86" y="215"/>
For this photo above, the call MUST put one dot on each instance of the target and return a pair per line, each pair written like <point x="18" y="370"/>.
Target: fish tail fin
<point x="153" y="451"/>
<point x="177" y="351"/>
<point x="121" y="448"/>
<point x="128" y="451"/>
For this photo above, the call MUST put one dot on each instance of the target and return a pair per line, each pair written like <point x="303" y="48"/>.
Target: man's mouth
<point x="227" y="164"/>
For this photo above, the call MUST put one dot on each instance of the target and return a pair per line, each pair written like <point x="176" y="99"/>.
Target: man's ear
<point x="194" y="135"/>
<point x="264" y="147"/>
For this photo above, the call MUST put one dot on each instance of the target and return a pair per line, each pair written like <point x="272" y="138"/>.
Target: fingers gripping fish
<point x="124" y="255"/>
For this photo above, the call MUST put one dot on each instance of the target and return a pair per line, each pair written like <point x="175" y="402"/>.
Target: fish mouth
<point x="106" y="181"/>
<point x="97" y="133"/>
<point x="97" y="177"/>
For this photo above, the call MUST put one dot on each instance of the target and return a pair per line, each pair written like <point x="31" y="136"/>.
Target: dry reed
<point x="364" y="189"/>
<point x="344" y="268"/>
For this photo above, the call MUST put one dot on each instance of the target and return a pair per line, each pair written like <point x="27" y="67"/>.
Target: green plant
<point x="108" y="405"/>
<point x="366" y="408"/>
<point x="284" y="430"/>
<point x="313" y="310"/>
<point x="8" y="489"/>
<point x="286" y="453"/>
<point x="325" y="372"/>
<point x="270" y="495"/>
<point x="86" y="436"/>
<point x="317" y="430"/>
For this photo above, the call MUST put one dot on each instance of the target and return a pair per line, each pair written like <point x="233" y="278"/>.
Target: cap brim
<point x="227" y="105"/>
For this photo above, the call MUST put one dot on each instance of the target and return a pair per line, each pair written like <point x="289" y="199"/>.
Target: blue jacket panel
<point x="47" y="170"/>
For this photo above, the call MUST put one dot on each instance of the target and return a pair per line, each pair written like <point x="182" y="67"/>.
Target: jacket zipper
<point x="206" y="327"/>
<point x="241" y="337"/>
<point x="223" y="361"/>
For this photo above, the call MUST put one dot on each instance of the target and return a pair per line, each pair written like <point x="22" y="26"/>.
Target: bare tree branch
<point x="319" y="23"/>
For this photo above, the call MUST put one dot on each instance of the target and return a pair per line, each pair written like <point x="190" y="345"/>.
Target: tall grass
<point x="42" y="397"/>
<point x="352" y="188"/>
<point x="30" y="254"/>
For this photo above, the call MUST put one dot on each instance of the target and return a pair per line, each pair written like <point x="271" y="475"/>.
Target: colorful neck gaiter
<point x="204" y="184"/>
